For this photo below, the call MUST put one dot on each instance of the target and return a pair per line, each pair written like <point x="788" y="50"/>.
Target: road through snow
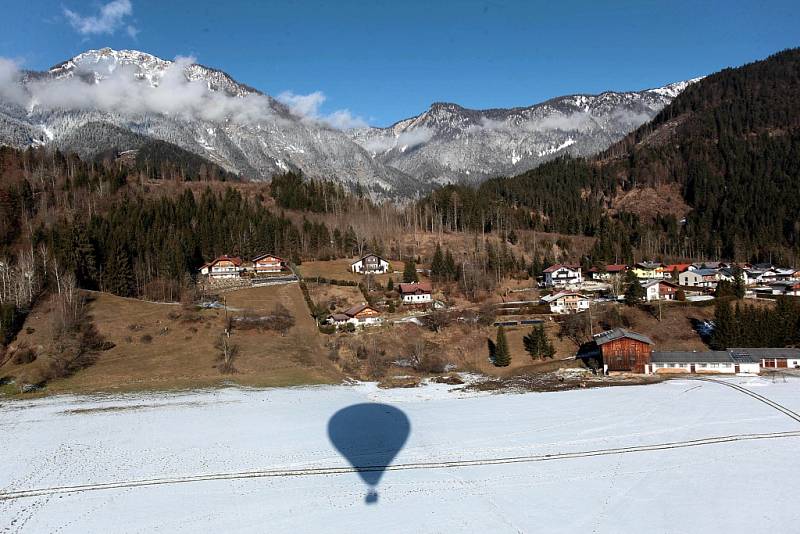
<point x="682" y="456"/>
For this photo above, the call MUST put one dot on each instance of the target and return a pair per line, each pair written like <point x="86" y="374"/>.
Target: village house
<point x="370" y="264"/>
<point x="671" y="269"/>
<point x="620" y="350"/>
<point x="566" y="302"/>
<point x="648" y="270"/>
<point x="786" y="287"/>
<point x="560" y="275"/>
<point x="707" y="362"/>
<point x="361" y="315"/>
<point x="223" y="267"/>
<point x="268" y="263"/>
<point x="415" y="293"/>
<point x="659" y="290"/>
<point x="710" y="265"/>
<point x="607" y="272"/>
<point x="706" y="278"/>
<point x="729" y="275"/>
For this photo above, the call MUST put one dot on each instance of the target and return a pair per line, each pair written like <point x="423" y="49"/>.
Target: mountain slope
<point x="449" y="143"/>
<point x="197" y="108"/>
<point x="727" y="148"/>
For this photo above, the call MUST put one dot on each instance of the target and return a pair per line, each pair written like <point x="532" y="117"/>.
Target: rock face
<point x="88" y="103"/>
<point x="107" y="99"/>
<point x="449" y="143"/>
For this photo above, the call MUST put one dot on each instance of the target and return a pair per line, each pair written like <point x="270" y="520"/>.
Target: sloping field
<point x="164" y="346"/>
<point x="680" y="456"/>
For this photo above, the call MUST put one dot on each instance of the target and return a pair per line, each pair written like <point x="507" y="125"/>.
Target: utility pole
<point x="225" y="305"/>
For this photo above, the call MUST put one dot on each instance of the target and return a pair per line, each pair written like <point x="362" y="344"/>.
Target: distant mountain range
<point x="449" y="143"/>
<point x="106" y="99"/>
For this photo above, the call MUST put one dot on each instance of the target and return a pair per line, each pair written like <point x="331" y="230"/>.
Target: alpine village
<point x="673" y="252"/>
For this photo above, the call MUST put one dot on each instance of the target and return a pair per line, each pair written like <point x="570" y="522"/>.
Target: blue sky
<point x="384" y="61"/>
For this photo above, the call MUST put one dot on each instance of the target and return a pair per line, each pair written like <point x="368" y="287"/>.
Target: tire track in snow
<point x="769" y="402"/>
<point x="273" y="473"/>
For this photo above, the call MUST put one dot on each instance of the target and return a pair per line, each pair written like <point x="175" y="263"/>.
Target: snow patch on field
<point x="71" y="441"/>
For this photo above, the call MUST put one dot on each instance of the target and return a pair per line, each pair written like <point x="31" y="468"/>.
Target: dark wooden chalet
<point x="623" y="350"/>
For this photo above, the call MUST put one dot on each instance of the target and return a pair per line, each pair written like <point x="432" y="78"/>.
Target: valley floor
<point x="679" y="456"/>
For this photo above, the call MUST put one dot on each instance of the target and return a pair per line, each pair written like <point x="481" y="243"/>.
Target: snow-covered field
<point x="244" y="460"/>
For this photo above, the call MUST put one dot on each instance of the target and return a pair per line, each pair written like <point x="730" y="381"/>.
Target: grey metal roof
<point x="618" y="333"/>
<point x="767" y="352"/>
<point x="713" y="356"/>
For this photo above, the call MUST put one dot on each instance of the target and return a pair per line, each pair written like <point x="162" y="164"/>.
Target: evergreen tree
<point x="117" y="276"/>
<point x="724" y="334"/>
<point x="738" y="283"/>
<point x="390" y="284"/>
<point x="537" y="344"/>
<point x="410" y="272"/>
<point x="634" y="292"/>
<point x="450" y="266"/>
<point x="502" y="357"/>
<point x="438" y="268"/>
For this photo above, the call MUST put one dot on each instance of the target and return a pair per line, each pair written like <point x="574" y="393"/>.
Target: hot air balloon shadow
<point x="369" y="436"/>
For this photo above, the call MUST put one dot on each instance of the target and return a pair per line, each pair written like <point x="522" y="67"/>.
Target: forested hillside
<point x="729" y="148"/>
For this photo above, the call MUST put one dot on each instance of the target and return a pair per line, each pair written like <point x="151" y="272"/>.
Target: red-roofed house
<point x="268" y="263"/>
<point x="680" y="267"/>
<point x="223" y="267"/>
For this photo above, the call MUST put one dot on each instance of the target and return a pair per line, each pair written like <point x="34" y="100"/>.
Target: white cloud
<point x="578" y="121"/>
<point x="10" y="88"/>
<point x="121" y="91"/>
<point x="344" y="120"/>
<point x="308" y="107"/>
<point x="405" y="141"/>
<point x="303" y="105"/>
<point x="110" y="18"/>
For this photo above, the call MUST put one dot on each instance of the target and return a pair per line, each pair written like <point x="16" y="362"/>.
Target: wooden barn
<point x="623" y="350"/>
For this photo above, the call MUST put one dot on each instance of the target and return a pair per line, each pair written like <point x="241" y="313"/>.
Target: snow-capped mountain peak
<point x="449" y="143"/>
<point x="110" y="99"/>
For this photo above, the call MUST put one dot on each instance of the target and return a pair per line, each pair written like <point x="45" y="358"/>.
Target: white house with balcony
<point x="561" y="275"/>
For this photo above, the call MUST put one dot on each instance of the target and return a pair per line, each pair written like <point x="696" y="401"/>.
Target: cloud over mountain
<point x="111" y="17"/>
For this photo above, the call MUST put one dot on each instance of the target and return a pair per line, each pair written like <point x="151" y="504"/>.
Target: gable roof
<point x="367" y="255"/>
<point x="618" y="333"/>
<point x="705" y="272"/>
<point x="768" y="352"/>
<point x="557" y="266"/>
<point x="612" y="268"/>
<point x="658" y="281"/>
<point x="649" y="265"/>
<point x="262" y="256"/>
<point x="355" y="310"/>
<point x="236" y="260"/>
<point x="414" y="287"/>
<point x="711" y="356"/>
<point x="680" y="266"/>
